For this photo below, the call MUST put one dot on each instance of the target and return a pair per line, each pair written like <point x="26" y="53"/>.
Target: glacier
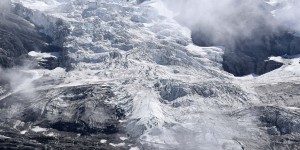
<point x="128" y="76"/>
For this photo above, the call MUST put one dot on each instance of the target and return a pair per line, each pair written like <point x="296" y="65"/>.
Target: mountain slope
<point x="135" y="80"/>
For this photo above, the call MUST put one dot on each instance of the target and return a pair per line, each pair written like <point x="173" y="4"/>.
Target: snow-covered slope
<point x="167" y="92"/>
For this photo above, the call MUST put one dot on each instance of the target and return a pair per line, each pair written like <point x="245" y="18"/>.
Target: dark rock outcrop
<point x="171" y="90"/>
<point x="71" y="117"/>
<point x="251" y="56"/>
<point x="20" y="35"/>
<point x="285" y="121"/>
<point x="12" y="139"/>
<point x="281" y="125"/>
<point x="247" y="55"/>
<point x="282" y="93"/>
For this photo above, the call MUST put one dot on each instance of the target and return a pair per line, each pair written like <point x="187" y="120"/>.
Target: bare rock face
<point x="20" y="36"/>
<point x="294" y="46"/>
<point x="252" y="55"/>
<point x="73" y="116"/>
<point x="171" y="90"/>
<point x="280" y="124"/>
<point x="282" y="94"/>
<point x="283" y="127"/>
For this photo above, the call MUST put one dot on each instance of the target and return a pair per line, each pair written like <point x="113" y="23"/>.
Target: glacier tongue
<point x="167" y="92"/>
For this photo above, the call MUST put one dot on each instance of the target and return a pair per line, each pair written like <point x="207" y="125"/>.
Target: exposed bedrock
<point x="172" y="89"/>
<point x="72" y="109"/>
<point x="249" y="55"/>
<point x="280" y="124"/>
<point x="283" y="93"/>
<point x="18" y="37"/>
<point x="20" y="34"/>
<point x="78" y="115"/>
<point x="284" y="120"/>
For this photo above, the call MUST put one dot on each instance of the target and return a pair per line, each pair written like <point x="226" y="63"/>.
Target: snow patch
<point x="39" y="129"/>
<point x="293" y="108"/>
<point x="103" y="141"/>
<point x="40" y="54"/>
<point x="134" y="148"/>
<point x="117" y="145"/>
<point x="23" y="132"/>
<point x="277" y="59"/>
<point x="123" y="138"/>
<point x="51" y="134"/>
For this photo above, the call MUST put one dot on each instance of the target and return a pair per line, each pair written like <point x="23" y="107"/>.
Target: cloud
<point x="288" y="14"/>
<point x="20" y="80"/>
<point x="225" y="21"/>
<point x="5" y="5"/>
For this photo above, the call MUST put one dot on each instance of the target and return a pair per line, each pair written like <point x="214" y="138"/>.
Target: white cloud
<point x="5" y="5"/>
<point x="228" y="20"/>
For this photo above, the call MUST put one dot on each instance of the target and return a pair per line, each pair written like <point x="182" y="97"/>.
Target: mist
<point x="229" y="20"/>
<point x="5" y="6"/>
<point x="289" y="15"/>
<point x="19" y="80"/>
